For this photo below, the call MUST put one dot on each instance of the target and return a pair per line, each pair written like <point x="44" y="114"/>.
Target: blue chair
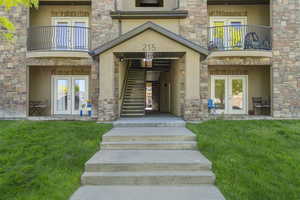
<point x="211" y="106"/>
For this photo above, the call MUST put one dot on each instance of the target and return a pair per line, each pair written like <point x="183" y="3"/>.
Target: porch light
<point x="148" y="59"/>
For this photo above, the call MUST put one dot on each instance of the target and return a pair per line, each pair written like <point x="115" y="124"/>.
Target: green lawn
<point x="44" y="160"/>
<point x="257" y="160"/>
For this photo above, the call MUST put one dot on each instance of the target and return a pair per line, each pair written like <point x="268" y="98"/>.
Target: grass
<point x="44" y="160"/>
<point x="253" y="160"/>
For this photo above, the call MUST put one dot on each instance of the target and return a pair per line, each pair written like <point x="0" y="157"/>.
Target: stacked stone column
<point x="194" y="28"/>
<point x="13" y="82"/>
<point x="103" y="29"/>
<point x="286" y="58"/>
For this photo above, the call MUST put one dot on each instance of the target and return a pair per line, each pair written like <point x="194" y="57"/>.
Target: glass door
<point x="62" y="35"/>
<point x="228" y="33"/>
<point x="71" y="33"/>
<point x="70" y="94"/>
<point x="219" y="93"/>
<point x="62" y="95"/>
<point x="229" y="94"/>
<point x="237" y="94"/>
<point x="79" y="94"/>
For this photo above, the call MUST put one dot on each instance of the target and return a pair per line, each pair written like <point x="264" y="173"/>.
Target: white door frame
<point x="71" y="95"/>
<point x="219" y="77"/>
<point x="74" y="78"/>
<point x="54" y="94"/>
<point x="228" y="93"/>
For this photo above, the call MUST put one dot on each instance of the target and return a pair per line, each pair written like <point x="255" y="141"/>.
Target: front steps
<point x="134" y="97"/>
<point x="148" y="178"/>
<point x="149" y="163"/>
<point x="148" y="192"/>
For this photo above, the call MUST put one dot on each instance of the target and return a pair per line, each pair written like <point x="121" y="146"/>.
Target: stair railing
<point x="124" y="82"/>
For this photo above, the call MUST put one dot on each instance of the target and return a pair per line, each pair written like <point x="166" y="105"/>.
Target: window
<point x="149" y="3"/>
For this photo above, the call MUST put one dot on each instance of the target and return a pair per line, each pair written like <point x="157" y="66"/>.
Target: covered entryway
<point x="174" y="74"/>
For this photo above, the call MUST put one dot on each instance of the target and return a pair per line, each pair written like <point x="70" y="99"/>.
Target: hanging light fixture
<point x="148" y="59"/>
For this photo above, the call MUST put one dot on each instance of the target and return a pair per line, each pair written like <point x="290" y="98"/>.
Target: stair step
<point x="147" y="160"/>
<point x="148" y="178"/>
<point x="190" y="192"/>
<point x="132" y="114"/>
<point x="149" y="134"/>
<point x="126" y="107"/>
<point x="152" y="145"/>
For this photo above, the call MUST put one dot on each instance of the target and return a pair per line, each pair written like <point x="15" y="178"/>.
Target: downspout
<point x="177" y="6"/>
<point x="119" y="21"/>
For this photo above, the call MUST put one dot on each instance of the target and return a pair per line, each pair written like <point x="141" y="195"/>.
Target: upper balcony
<point x="239" y="25"/>
<point x="239" y="37"/>
<point x="59" y="28"/>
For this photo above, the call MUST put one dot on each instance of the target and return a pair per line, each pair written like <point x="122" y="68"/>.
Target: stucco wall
<point x="43" y="15"/>
<point x="256" y="14"/>
<point x="170" y="24"/>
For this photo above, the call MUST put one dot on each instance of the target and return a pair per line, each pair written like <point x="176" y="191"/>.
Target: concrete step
<point x="132" y="114"/>
<point x="148" y="178"/>
<point x="122" y="192"/>
<point x="133" y="106"/>
<point x="144" y="122"/>
<point x="149" y="134"/>
<point x="155" y="145"/>
<point x="147" y="160"/>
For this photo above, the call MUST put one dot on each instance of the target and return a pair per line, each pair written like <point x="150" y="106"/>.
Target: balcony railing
<point x="239" y="37"/>
<point x="58" y="38"/>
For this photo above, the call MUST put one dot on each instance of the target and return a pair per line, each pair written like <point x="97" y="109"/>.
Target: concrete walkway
<point x="142" y="159"/>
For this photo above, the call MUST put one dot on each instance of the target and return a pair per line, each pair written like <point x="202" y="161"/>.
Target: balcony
<point x="239" y="38"/>
<point x="58" y="38"/>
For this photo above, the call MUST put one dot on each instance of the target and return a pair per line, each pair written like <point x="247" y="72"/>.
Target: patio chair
<point x="37" y="108"/>
<point x="258" y="103"/>
<point x="211" y="106"/>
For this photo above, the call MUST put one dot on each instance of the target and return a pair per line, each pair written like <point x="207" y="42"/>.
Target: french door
<point x="69" y="93"/>
<point x="228" y="32"/>
<point x="230" y="94"/>
<point x="70" y="33"/>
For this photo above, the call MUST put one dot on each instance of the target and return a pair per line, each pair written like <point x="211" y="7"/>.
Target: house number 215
<point x="149" y="47"/>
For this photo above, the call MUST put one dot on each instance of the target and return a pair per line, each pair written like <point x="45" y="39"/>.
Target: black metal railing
<point x="58" y="38"/>
<point x="239" y="37"/>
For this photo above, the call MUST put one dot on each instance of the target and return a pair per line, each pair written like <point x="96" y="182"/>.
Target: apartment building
<point x="190" y="58"/>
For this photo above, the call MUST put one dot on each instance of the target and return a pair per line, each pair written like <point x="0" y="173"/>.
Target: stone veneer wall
<point x="13" y="81"/>
<point x="194" y="28"/>
<point x="286" y="58"/>
<point x="103" y="29"/>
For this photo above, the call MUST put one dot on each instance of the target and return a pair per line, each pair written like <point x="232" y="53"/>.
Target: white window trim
<point x="244" y="19"/>
<point x="70" y="19"/>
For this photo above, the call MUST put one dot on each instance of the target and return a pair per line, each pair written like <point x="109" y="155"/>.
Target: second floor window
<point x="149" y="3"/>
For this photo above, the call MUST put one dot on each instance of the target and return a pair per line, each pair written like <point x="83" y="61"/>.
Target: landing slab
<point x="203" y="192"/>
<point x="161" y="120"/>
<point x="149" y="131"/>
<point x="148" y="156"/>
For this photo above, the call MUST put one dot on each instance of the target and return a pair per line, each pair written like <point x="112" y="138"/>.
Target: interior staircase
<point x="134" y="95"/>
